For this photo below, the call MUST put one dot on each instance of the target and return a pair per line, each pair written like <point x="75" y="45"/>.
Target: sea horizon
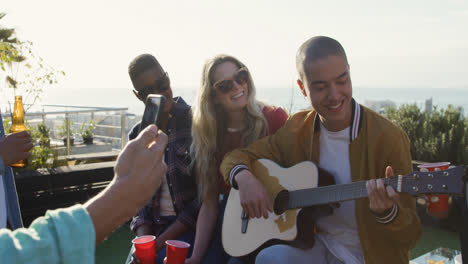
<point x="288" y="98"/>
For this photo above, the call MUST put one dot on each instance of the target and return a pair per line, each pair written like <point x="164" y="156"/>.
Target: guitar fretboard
<point x="332" y="193"/>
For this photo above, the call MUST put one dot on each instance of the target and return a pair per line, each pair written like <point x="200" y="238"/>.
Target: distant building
<point x="428" y="105"/>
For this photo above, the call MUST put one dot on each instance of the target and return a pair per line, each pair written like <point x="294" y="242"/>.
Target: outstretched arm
<point x="70" y="235"/>
<point x="138" y="173"/>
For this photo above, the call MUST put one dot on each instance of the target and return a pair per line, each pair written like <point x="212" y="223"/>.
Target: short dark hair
<point x="141" y="64"/>
<point x="314" y="49"/>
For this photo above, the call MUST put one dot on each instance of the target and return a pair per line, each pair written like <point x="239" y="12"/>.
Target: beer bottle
<point x="17" y="125"/>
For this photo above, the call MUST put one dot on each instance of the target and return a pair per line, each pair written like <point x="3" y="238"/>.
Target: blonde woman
<point x="226" y="116"/>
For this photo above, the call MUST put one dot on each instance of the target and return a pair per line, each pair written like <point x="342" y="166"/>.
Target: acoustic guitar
<point x="296" y="187"/>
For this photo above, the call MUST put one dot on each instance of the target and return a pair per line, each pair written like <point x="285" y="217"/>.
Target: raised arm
<point x="70" y="235"/>
<point x="138" y="173"/>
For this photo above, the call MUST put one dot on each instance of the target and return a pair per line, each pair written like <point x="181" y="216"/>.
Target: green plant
<point x="25" y="72"/>
<point x="6" y="125"/>
<point x="8" y="46"/>
<point x="87" y="131"/>
<point x="63" y="128"/>
<point x="42" y="155"/>
<point x="43" y="130"/>
<point x="441" y="135"/>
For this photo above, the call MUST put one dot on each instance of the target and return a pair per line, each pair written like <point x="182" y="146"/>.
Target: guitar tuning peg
<point x="421" y="200"/>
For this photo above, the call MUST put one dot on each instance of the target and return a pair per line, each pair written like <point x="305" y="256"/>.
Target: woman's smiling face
<point x="236" y="99"/>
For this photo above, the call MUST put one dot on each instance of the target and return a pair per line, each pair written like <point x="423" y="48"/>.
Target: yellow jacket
<point x="375" y="144"/>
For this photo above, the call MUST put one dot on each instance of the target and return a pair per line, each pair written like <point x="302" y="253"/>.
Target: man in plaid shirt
<point x="172" y="212"/>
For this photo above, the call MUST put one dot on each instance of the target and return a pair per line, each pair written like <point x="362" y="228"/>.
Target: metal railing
<point x="85" y="110"/>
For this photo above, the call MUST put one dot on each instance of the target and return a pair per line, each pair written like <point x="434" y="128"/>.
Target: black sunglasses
<point x="159" y="86"/>
<point x="225" y="86"/>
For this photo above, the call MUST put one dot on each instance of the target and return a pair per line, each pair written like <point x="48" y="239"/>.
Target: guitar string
<point x="322" y="194"/>
<point x="330" y="193"/>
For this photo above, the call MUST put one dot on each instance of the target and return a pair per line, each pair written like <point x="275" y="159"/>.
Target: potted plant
<point x="87" y="132"/>
<point x="63" y="132"/>
<point x="42" y="155"/>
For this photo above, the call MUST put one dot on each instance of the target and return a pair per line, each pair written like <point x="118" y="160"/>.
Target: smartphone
<point x="153" y="110"/>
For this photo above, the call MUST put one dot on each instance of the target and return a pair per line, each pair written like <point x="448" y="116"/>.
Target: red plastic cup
<point x="434" y="166"/>
<point x="176" y="251"/>
<point x="436" y="203"/>
<point x="145" y="249"/>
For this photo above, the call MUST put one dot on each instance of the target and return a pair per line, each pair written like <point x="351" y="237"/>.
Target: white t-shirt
<point x="339" y="231"/>
<point x="3" y="210"/>
<point x="165" y="200"/>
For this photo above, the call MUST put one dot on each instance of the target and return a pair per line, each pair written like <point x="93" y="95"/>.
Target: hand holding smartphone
<point x="153" y="110"/>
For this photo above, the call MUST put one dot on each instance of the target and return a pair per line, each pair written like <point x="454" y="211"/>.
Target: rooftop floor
<point x="115" y="249"/>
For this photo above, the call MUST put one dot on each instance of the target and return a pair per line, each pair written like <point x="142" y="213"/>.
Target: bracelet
<point x="389" y="217"/>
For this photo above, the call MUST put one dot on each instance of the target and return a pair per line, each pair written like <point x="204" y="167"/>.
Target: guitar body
<point x="300" y="187"/>
<point x="276" y="227"/>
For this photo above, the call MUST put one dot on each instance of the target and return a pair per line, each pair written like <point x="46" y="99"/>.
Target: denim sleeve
<point x="61" y="236"/>
<point x="2" y="167"/>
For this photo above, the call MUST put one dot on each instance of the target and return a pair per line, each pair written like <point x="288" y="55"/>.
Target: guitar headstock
<point x="450" y="181"/>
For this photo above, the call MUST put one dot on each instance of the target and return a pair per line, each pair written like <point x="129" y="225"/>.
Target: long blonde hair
<point x="210" y="124"/>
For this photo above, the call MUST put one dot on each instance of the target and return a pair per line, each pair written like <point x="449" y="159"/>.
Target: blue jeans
<point x="318" y="254"/>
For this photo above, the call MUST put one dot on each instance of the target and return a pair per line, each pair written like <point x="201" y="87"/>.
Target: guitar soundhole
<point x="281" y="202"/>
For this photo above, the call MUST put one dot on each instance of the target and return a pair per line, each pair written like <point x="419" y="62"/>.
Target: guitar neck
<point x="333" y="193"/>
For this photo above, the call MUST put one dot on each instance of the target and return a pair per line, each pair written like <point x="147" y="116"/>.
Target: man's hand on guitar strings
<point x="381" y="197"/>
<point x="253" y="196"/>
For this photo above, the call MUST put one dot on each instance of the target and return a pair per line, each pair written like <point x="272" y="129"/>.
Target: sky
<point x="398" y="43"/>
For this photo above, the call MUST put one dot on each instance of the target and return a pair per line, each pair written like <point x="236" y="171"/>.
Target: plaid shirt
<point x="181" y="181"/>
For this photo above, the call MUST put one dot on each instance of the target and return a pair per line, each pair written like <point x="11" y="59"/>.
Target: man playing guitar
<point x="351" y="142"/>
